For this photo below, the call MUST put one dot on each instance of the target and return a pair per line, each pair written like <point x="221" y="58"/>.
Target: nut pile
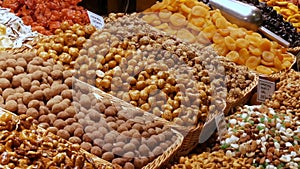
<point x="287" y="95"/>
<point x="13" y="32"/>
<point x="216" y="159"/>
<point x="193" y="21"/>
<point x="23" y="145"/>
<point x="288" y="10"/>
<point x="237" y="79"/>
<point x="29" y="85"/>
<point x="144" y="67"/>
<point x="122" y="135"/>
<point x="275" y="21"/>
<point x="65" y="44"/>
<point x="268" y="138"/>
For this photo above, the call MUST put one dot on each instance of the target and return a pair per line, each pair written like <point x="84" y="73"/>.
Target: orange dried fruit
<point x="244" y="55"/>
<point x="209" y="31"/>
<point x="268" y="56"/>
<point x="253" y="40"/>
<point x="162" y="26"/>
<point x="202" y="39"/>
<point x="255" y="50"/>
<point x="252" y="62"/>
<point x="185" y="8"/>
<point x="230" y="43"/>
<point x="218" y="38"/>
<point x="198" y="21"/>
<point x="237" y="33"/>
<point x="224" y="32"/>
<point x="221" y="49"/>
<point x="265" y="45"/>
<point x="222" y="23"/>
<point x="277" y="63"/>
<point x="233" y="56"/>
<point x="186" y="35"/>
<point x="242" y="43"/>
<point x="178" y="20"/>
<point x="264" y="70"/>
<point x="200" y="11"/>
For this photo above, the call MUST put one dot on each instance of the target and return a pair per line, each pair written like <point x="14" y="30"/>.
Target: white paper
<point x="265" y="89"/>
<point x="96" y="20"/>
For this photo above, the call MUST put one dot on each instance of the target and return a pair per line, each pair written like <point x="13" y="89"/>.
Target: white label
<point x="265" y="89"/>
<point x="96" y="20"/>
<point x="221" y="125"/>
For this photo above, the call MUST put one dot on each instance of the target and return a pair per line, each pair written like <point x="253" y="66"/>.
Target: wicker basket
<point x="246" y="95"/>
<point x="96" y="161"/>
<point x="162" y="160"/>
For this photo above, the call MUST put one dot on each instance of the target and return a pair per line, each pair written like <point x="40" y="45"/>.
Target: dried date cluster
<point x="23" y="145"/>
<point x="275" y="22"/>
<point x="287" y="96"/>
<point x="216" y="159"/>
<point x="29" y="85"/>
<point x="268" y="138"/>
<point x="155" y="72"/>
<point x="122" y="135"/>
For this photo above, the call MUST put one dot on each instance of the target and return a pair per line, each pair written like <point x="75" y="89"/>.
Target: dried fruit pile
<point x="268" y="138"/>
<point x="288" y="10"/>
<point x="275" y="22"/>
<point x="23" y="145"/>
<point x="193" y="21"/>
<point x="13" y="32"/>
<point x="46" y="16"/>
<point x="287" y="94"/>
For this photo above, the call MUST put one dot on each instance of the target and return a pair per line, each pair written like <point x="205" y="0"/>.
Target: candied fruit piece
<point x="237" y="33"/>
<point x="244" y="55"/>
<point x="252" y="62"/>
<point x="202" y="39"/>
<point x="254" y="40"/>
<point x="185" y="8"/>
<point x="193" y="27"/>
<point x="178" y="20"/>
<point x="209" y="31"/>
<point x="198" y="21"/>
<point x="268" y="56"/>
<point x="255" y="50"/>
<point x="264" y="70"/>
<point x="277" y="63"/>
<point x="265" y="45"/>
<point x="164" y="15"/>
<point x="158" y="6"/>
<point x="269" y="64"/>
<point x="222" y="23"/>
<point x="162" y="26"/>
<point x="221" y="49"/>
<point x="230" y="43"/>
<point x="218" y="38"/>
<point x="149" y="18"/>
<point x="186" y="36"/>
<point x="224" y="32"/>
<point x="242" y="43"/>
<point x="233" y="56"/>
<point x="200" y="11"/>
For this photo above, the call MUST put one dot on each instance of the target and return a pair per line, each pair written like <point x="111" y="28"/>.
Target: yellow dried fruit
<point x="186" y="36"/>
<point x="254" y="50"/>
<point x="218" y="38"/>
<point x="149" y="18"/>
<point x="200" y="11"/>
<point x="233" y="56"/>
<point x="178" y="20"/>
<point x="221" y="49"/>
<point x="252" y="62"/>
<point x="265" y="45"/>
<point x="264" y="70"/>
<point x="244" y="55"/>
<point x="242" y="43"/>
<point x="230" y="43"/>
<point x="268" y="56"/>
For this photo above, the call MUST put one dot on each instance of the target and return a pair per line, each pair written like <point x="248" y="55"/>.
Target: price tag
<point x="265" y="89"/>
<point x="221" y="125"/>
<point x="96" y="20"/>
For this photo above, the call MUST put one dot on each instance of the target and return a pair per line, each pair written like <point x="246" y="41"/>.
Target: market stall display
<point x="268" y="138"/>
<point x="288" y="10"/>
<point x="24" y="145"/>
<point x="46" y="16"/>
<point x="287" y="94"/>
<point x="193" y="21"/>
<point x="13" y="32"/>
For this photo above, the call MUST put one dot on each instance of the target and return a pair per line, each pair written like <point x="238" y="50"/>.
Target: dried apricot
<point x="224" y="32"/>
<point x="221" y="49"/>
<point x="252" y="62"/>
<point x="185" y="8"/>
<point x="164" y="15"/>
<point x="268" y="56"/>
<point x="277" y="63"/>
<point x="162" y="26"/>
<point x="254" y="40"/>
<point x="265" y="45"/>
<point x="233" y="56"/>
<point x="264" y="70"/>
<point x="230" y="43"/>
<point x="178" y="20"/>
<point x="149" y="18"/>
<point x="209" y="31"/>
<point x="200" y="11"/>
<point x="254" y="50"/>
<point x="198" y="21"/>
<point x="237" y="33"/>
<point x="242" y="43"/>
<point x="222" y="23"/>
<point x="218" y="38"/>
<point x="202" y="39"/>
<point x="244" y="55"/>
<point x="186" y="36"/>
<point x="193" y="27"/>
